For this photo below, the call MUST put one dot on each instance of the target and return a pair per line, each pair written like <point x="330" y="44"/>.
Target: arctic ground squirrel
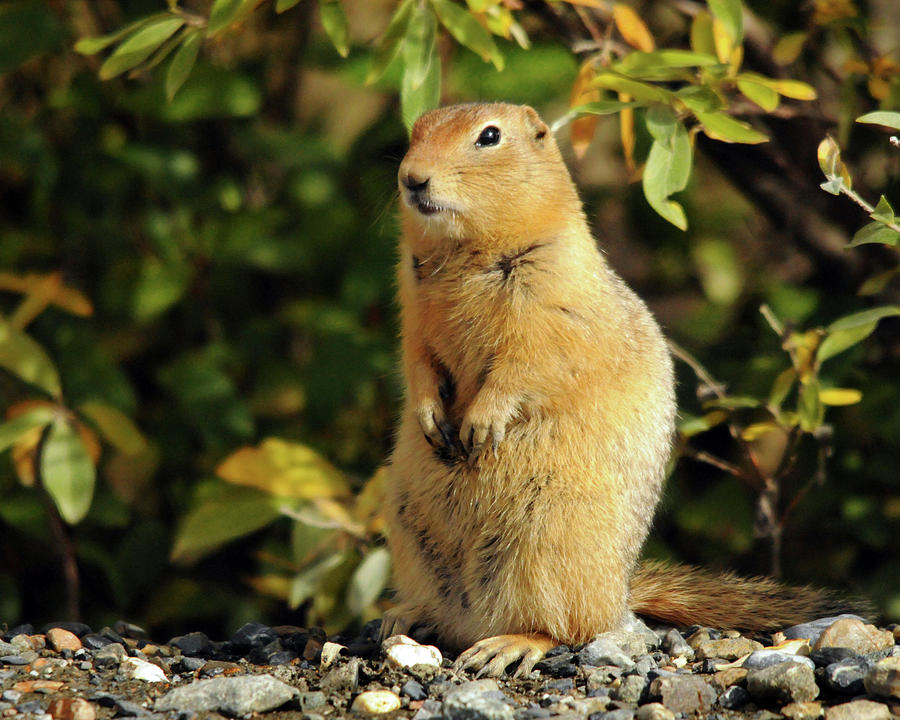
<point x="539" y="413"/>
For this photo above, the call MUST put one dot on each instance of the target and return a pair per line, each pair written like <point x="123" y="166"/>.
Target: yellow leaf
<point x="633" y="29"/>
<point x="276" y="586"/>
<point x="757" y="430"/>
<point x="723" y="40"/>
<point x="829" y="155"/>
<point x="284" y="469"/>
<point x="789" y="47"/>
<point x="583" y="91"/>
<point x="626" y="133"/>
<point x="794" y="89"/>
<point x="840" y="396"/>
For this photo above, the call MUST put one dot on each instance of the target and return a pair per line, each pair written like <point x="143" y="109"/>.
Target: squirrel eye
<point x="489" y="136"/>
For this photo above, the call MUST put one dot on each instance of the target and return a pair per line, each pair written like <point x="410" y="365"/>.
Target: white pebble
<point x="142" y="670"/>
<point x="330" y="652"/>
<point x="376" y="701"/>
<point x="403" y="652"/>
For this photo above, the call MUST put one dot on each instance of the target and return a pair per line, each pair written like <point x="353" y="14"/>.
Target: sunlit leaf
<point x="420" y="95"/>
<point x="702" y="34"/>
<point x="757" y="430"/>
<point x="793" y="89"/>
<point x="26" y="359"/>
<point x="67" y="472"/>
<point x="115" y="426"/>
<point x="627" y="133"/>
<point x="305" y="584"/>
<point x="92" y="45"/>
<point x="232" y="513"/>
<point x="182" y="63"/>
<point x="668" y="165"/>
<point x="334" y="21"/>
<point x="839" y="396"/>
<point x="638" y="90"/>
<point x="17" y="426"/>
<point x="139" y="46"/>
<point x="810" y="407"/>
<point x="731" y="402"/>
<point x="883" y="211"/>
<point x="50" y="289"/>
<point x="876" y="284"/>
<point x="875" y="232"/>
<point x="864" y="317"/>
<point x="700" y="98"/>
<point x="368" y="580"/>
<point x="389" y="45"/>
<point x="762" y="95"/>
<point x="782" y="386"/>
<point x="723" y="41"/>
<point x="888" y="118"/>
<point x="829" y="156"/>
<point x="720" y="126"/>
<point x="583" y="92"/>
<point x="691" y="426"/>
<point x="159" y="286"/>
<point x="227" y="12"/>
<point x="789" y="47"/>
<point x="284" y="469"/>
<point x="731" y="15"/>
<point x="637" y="63"/>
<point x="284" y="5"/>
<point x="632" y="28"/>
<point x="468" y="31"/>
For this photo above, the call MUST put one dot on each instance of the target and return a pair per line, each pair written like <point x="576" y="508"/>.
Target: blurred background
<point x="182" y="279"/>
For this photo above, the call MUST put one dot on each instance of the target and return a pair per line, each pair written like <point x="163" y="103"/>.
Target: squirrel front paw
<point x="438" y="430"/>
<point x="483" y="422"/>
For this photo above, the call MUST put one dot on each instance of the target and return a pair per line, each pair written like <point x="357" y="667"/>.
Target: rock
<point x="558" y="666"/>
<point x="602" y="676"/>
<point x="109" y="656"/>
<point x="272" y="653"/>
<point x="811" y="710"/>
<point x="342" y="677"/>
<point x="413" y="690"/>
<point x="137" y="669"/>
<point x="430" y="710"/>
<point x="734" y="697"/>
<point x="251" y="635"/>
<point x="72" y="708"/>
<point x="856" y="635"/>
<point x="782" y="683"/>
<point x="812" y="630"/>
<point x="130" y="630"/>
<point x="28" y="643"/>
<point x="233" y="696"/>
<point x="563" y="685"/>
<point x="630" y="690"/>
<point x="476" y="700"/>
<point x="620" y="714"/>
<point x="644" y="665"/>
<point x="654" y="711"/>
<point x="312" y="700"/>
<point x="76" y="628"/>
<point x="847" y="676"/>
<point x="376" y="702"/>
<point x="884" y="678"/>
<point x="727" y="648"/>
<point x="7" y="649"/>
<point x="403" y="652"/>
<point x="196" y="644"/>
<point x="93" y="641"/>
<point x="828" y="655"/>
<point x="858" y="710"/>
<point x="38" y="686"/>
<point x="726" y="678"/>
<point x="674" y="644"/>
<point x="603" y="651"/>
<point x="764" y="658"/>
<point x="683" y="693"/>
<point x="61" y="639"/>
<point x="330" y="653"/>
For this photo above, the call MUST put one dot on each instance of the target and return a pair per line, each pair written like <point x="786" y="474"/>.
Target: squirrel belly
<point x="539" y="409"/>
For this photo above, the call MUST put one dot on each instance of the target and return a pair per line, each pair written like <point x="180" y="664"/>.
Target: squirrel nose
<point x="414" y="184"/>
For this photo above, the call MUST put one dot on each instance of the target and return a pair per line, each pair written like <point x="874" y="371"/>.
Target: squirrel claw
<point x="491" y="656"/>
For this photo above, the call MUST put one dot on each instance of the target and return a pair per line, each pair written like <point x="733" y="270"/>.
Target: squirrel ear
<point x="539" y="127"/>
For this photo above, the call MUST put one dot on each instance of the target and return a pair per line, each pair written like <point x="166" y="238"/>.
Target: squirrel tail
<point x="683" y="595"/>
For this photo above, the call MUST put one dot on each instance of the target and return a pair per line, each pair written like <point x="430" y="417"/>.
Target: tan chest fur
<point x="516" y="331"/>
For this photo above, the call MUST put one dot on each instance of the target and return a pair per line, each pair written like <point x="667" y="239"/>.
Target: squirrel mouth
<point x="425" y="205"/>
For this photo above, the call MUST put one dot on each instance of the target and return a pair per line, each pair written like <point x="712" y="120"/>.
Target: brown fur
<point x="539" y="410"/>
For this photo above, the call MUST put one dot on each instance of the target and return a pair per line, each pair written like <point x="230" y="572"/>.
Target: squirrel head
<point x="488" y="174"/>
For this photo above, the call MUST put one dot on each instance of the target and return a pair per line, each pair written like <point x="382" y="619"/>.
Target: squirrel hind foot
<point x="491" y="656"/>
<point x="398" y="620"/>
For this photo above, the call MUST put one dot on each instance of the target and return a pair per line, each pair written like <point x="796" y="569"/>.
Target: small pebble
<point x="683" y="693"/>
<point x="403" y="652"/>
<point x="812" y="630"/>
<point x="726" y="648"/>
<point x="72" y="709"/>
<point x="884" y="678"/>
<point x="413" y="690"/>
<point x="846" y="677"/>
<point x="811" y="710"/>
<point x="783" y="683"/>
<point x="376" y="702"/>
<point x="330" y="653"/>
<point x="767" y="658"/>
<point x="856" y="635"/>
<point x="674" y="644"/>
<point x="654" y="711"/>
<point x="60" y="639"/>
<point x="476" y="700"/>
<point x="734" y="697"/>
<point x="858" y="710"/>
<point x="603" y="651"/>
<point x="138" y="669"/>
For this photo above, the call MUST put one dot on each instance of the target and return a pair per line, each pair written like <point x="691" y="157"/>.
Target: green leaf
<point x="637" y="90"/>
<point x="334" y="21"/>
<point x="368" y="580"/>
<point x="668" y="166"/>
<point x="115" y="426"/>
<point x="852" y="329"/>
<point x="67" y="472"/>
<point x="881" y="117"/>
<point x="139" y="46"/>
<point x="226" y="12"/>
<point x="874" y="232"/>
<point x="864" y="317"/>
<point x="692" y="425"/>
<point x="13" y="429"/>
<point x="764" y="96"/>
<point x="833" y="186"/>
<point x="389" y="45"/>
<point x="810" y="407"/>
<point x="702" y="40"/>
<point x="283" y="5"/>
<point x="700" y="98"/>
<point x="720" y="126"/>
<point x="601" y="107"/>
<point x="92" y="45"/>
<point x="418" y="47"/>
<point x="468" y="31"/>
<point x="731" y="14"/>
<point x="231" y="513"/>
<point x="182" y="63"/>
<point x="782" y="386"/>
<point x="839" y="396"/>
<point x="883" y="211"/>
<point x="306" y="584"/>
<point x="24" y="358"/>
<point x="637" y="63"/>
<point x="158" y="287"/>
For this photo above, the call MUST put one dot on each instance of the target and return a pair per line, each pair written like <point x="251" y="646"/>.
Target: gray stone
<point x="884" y="679"/>
<point x="644" y="665"/>
<point x="783" y="683"/>
<point x="734" y="697"/>
<point x="603" y="651"/>
<point x="812" y="630"/>
<point x="654" y="711"/>
<point x="726" y="648"/>
<point x="675" y="644"/>
<point x="12" y="696"/>
<point x="630" y="690"/>
<point x="767" y="658"/>
<point x="476" y="700"/>
<point x="858" y="710"/>
<point x="430" y="710"/>
<point x="109" y="655"/>
<point x="603" y="676"/>
<point x="342" y="677"/>
<point x="413" y="690"/>
<point x="233" y="696"/>
<point x="847" y="676"/>
<point x="311" y="700"/>
<point x="683" y="693"/>
<point x="7" y="649"/>
<point x="620" y="714"/>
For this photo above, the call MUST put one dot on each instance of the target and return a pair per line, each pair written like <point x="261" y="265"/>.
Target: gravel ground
<point x="836" y="668"/>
